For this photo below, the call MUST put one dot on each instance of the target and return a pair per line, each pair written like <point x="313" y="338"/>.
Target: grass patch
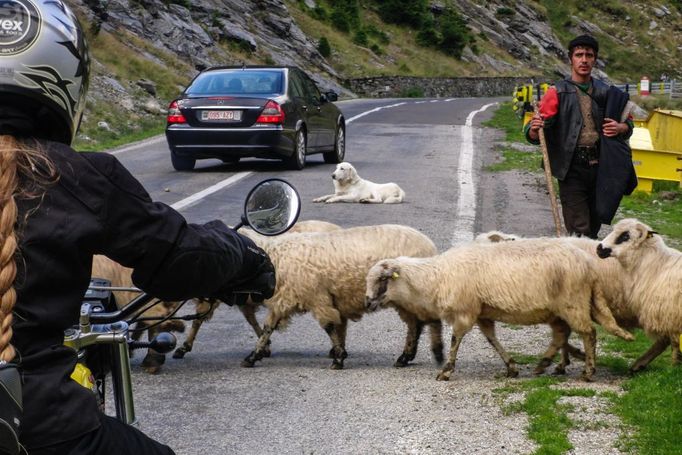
<point x="549" y="423"/>
<point x="506" y="120"/>
<point x="652" y="402"/>
<point x="514" y="159"/>
<point x="122" y="129"/>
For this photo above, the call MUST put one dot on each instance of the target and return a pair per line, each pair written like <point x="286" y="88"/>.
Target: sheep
<point x="654" y="284"/>
<point x="324" y="273"/>
<point x="120" y="276"/>
<point x="613" y="279"/>
<point x="205" y="308"/>
<point x="481" y="284"/>
<point x="612" y="286"/>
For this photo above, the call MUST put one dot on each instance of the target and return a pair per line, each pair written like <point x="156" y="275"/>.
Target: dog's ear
<point x="353" y="172"/>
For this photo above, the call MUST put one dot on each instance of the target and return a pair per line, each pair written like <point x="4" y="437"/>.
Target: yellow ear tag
<point x="395" y="275"/>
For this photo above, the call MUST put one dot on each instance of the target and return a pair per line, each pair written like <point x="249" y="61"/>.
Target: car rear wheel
<point x="182" y="163"/>
<point x="337" y="155"/>
<point x="297" y="160"/>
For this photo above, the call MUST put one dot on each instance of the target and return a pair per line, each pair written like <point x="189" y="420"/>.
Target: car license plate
<point x="221" y="116"/>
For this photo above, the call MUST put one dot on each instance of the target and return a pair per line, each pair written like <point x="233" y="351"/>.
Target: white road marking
<point x="466" y="202"/>
<point x="210" y="190"/>
<point x="372" y="110"/>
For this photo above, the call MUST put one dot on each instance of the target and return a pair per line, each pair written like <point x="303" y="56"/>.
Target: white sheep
<point x="529" y="282"/>
<point x="205" y="308"/>
<point x="324" y="274"/>
<point x="614" y="282"/>
<point x="654" y="289"/>
<point x="610" y="275"/>
<point x="120" y="276"/>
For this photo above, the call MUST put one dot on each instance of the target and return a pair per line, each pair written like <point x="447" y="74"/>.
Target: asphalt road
<point x="292" y="403"/>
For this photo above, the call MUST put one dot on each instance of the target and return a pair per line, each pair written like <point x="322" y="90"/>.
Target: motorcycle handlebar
<point x="131" y="308"/>
<point x="255" y="287"/>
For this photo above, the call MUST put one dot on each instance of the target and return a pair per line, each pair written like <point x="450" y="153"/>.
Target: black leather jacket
<point x="562" y="135"/>
<point x="97" y="207"/>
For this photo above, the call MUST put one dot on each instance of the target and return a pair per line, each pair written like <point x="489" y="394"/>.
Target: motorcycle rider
<point x="57" y="209"/>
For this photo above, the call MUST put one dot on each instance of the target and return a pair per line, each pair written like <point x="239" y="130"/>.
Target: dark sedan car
<point x="265" y="112"/>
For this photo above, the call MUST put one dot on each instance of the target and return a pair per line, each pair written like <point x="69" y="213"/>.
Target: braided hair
<point x="25" y="170"/>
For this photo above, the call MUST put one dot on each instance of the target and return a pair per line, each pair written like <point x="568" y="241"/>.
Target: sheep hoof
<point x="251" y="359"/>
<point x="248" y="363"/>
<point x="266" y="352"/>
<point x="153" y="359"/>
<point x="636" y="368"/>
<point x="442" y="376"/>
<point x="153" y="370"/>
<point x="401" y="362"/>
<point x="331" y="354"/>
<point x="585" y="377"/>
<point x="180" y="353"/>
<point x="559" y="370"/>
<point x="336" y="365"/>
<point x="512" y="372"/>
<point x="542" y="365"/>
<point x="627" y="336"/>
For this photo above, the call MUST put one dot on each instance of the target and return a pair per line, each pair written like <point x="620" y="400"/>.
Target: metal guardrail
<point x="672" y="88"/>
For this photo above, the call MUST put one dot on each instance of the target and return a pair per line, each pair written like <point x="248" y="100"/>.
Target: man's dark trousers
<point x="578" y="200"/>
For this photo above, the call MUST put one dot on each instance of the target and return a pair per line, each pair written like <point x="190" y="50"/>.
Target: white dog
<point x="349" y="187"/>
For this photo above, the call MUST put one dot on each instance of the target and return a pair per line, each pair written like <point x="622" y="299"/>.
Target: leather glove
<point x="261" y="281"/>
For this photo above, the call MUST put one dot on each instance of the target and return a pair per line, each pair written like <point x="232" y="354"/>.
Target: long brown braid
<point x="19" y="163"/>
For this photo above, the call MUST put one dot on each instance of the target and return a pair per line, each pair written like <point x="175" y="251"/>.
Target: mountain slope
<point x="145" y="51"/>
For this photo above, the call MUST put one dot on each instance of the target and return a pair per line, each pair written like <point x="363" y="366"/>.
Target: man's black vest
<point x="562" y="136"/>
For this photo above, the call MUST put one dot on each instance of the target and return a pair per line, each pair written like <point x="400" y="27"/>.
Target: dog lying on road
<point x="349" y="187"/>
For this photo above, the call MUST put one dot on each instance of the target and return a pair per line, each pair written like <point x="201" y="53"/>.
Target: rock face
<point x="193" y="30"/>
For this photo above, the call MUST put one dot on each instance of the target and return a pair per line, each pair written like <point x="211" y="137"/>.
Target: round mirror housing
<point x="272" y="207"/>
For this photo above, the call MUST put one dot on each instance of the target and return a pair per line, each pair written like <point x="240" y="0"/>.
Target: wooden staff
<point x="548" y="178"/>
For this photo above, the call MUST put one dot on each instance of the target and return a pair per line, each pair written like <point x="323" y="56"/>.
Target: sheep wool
<point x="526" y="282"/>
<point x="654" y="287"/>
<point x="324" y="274"/>
<point x="206" y="308"/>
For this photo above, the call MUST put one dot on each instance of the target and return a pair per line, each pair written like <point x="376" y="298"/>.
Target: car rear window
<point x="236" y="82"/>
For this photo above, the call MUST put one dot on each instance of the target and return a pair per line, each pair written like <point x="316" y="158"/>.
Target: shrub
<point x="407" y="12"/>
<point x="360" y="38"/>
<point x="320" y="13"/>
<point x="377" y="34"/>
<point x="504" y="11"/>
<point x="455" y="34"/>
<point x="345" y="15"/>
<point x="429" y="37"/>
<point x="323" y="47"/>
<point x="340" y="21"/>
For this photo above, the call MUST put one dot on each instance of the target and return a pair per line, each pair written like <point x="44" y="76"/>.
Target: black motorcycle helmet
<point x="44" y="70"/>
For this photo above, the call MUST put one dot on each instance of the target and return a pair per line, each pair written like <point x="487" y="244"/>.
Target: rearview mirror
<point x="272" y="207"/>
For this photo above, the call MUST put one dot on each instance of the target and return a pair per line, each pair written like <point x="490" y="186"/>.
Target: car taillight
<point x="174" y="114"/>
<point x="272" y="113"/>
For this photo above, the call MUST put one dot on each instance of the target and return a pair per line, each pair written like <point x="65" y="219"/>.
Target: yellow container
<point x="656" y="144"/>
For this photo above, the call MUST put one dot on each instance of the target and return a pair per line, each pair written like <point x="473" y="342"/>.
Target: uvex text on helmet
<point x="44" y="65"/>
